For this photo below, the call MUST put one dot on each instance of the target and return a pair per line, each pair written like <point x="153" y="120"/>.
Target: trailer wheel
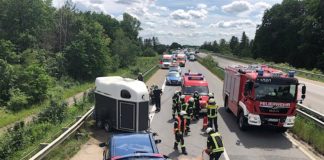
<point x="226" y="105"/>
<point x="107" y="127"/>
<point x="242" y="122"/>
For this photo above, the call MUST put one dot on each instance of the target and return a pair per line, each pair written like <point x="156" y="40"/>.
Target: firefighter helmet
<point x="211" y="95"/>
<point x="208" y="130"/>
<point x="191" y="99"/>
<point x="212" y="101"/>
<point x="183" y="113"/>
<point x="182" y="97"/>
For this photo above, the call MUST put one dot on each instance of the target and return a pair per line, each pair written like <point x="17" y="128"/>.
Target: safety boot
<point x="175" y="146"/>
<point x="184" y="150"/>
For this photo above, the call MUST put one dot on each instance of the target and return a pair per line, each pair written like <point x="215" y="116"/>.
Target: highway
<point x="256" y="143"/>
<point x="314" y="93"/>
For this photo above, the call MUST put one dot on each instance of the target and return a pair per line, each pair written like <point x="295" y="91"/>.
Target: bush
<point x="135" y="70"/>
<point x="55" y="113"/>
<point x="18" y="100"/>
<point x="149" y="52"/>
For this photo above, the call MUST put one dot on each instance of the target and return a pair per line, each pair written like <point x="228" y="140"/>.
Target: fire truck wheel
<point x="107" y="127"/>
<point x="226" y="105"/>
<point x="242" y="122"/>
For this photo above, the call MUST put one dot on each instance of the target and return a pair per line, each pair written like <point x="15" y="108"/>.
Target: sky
<point x="189" y="22"/>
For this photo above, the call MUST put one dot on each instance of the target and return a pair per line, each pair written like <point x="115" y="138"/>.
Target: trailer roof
<point x="113" y="86"/>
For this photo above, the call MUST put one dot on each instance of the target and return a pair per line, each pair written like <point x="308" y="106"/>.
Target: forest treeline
<point x="291" y="32"/>
<point x="41" y="46"/>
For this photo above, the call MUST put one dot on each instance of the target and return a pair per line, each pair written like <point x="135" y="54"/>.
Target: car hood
<point x="173" y="78"/>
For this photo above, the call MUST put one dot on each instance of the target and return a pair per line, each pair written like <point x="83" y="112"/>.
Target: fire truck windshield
<point x="276" y="92"/>
<point x="202" y="90"/>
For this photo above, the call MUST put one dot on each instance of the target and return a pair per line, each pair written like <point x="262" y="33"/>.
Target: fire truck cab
<point x="195" y="82"/>
<point x="260" y="95"/>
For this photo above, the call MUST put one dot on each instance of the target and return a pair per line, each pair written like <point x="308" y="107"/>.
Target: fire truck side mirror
<point x="303" y="89"/>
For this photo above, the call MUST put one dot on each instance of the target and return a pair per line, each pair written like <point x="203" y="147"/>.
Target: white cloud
<point x="202" y="13"/>
<point x="180" y="14"/>
<point x="96" y="1"/>
<point x="262" y="5"/>
<point x="201" y="6"/>
<point x="233" y="24"/>
<point x="186" y="24"/>
<point x="150" y="24"/>
<point x="237" y="7"/>
<point x="127" y="2"/>
<point x="212" y="8"/>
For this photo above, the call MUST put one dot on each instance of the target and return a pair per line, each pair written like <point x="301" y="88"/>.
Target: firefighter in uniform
<point x="212" y="114"/>
<point x="215" y="146"/>
<point x="184" y="107"/>
<point x="189" y="109"/>
<point x="176" y="104"/>
<point x="197" y="105"/>
<point x="179" y="129"/>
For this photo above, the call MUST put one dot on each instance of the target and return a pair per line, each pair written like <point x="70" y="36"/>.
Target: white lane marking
<point x="300" y="146"/>
<point x="226" y="155"/>
<point x="152" y="113"/>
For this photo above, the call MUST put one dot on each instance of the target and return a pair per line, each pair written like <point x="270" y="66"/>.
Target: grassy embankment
<point x="8" y="117"/>
<point x="309" y="74"/>
<point x="304" y="129"/>
<point x="72" y="145"/>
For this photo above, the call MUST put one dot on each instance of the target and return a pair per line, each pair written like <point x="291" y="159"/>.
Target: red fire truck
<point x="195" y="82"/>
<point x="261" y="95"/>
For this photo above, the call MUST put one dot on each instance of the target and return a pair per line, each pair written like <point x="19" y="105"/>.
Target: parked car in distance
<point x="166" y="61"/>
<point x="132" y="146"/>
<point x="175" y="68"/>
<point x="173" y="78"/>
<point x="192" y="57"/>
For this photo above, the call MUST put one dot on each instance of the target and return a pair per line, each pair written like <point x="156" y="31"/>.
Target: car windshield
<point x="166" y="60"/>
<point x="137" y="144"/>
<point x="173" y="74"/>
<point x="181" y="58"/>
<point x="275" y="92"/>
<point x="173" y="69"/>
<point x="202" y="90"/>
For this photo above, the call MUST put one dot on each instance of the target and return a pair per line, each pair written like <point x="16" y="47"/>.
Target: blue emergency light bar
<point x="291" y="74"/>
<point x="196" y="78"/>
<point x="193" y="74"/>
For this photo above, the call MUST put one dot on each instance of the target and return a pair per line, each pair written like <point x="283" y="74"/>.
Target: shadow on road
<point x="254" y="137"/>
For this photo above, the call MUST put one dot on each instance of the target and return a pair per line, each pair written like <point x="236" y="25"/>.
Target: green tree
<point x="88" y="55"/>
<point x="18" y="100"/>
<point x="175" y="45"/>
<point x="131" y="26"/>
<point x="6" y="80"/>
<point x="7" y="52"/>
<point x="234" y="45"/>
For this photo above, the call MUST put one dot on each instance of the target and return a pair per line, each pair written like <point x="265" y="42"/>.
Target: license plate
<point x="273" y="120"/>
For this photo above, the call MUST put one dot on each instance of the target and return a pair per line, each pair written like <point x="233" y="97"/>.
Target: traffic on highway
<point x="185" y="113"/>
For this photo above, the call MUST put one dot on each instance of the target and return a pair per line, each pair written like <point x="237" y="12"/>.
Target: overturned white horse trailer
<point x="121" y="104"/>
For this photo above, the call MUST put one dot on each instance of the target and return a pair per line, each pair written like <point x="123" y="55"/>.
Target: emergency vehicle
<point x="195" y="82"/>
<point x="260" y="95"/>
<point x="181" y="59"/>
<point x="166" y="61"/>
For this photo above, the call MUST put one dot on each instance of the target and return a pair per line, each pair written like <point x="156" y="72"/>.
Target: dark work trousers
<point x="212" y="122"/>
<point x="175" y="110"/>
<point x="196" y="112"/>
<point x="215" y="156"/>
<point x="158" y="103"/>
<point x="188" y="124"/>
<point x="179" y="139"/>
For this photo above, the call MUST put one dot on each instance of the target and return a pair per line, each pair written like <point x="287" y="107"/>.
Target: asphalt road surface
<point x="254" y="144"/>
<point x="314" y="93"/>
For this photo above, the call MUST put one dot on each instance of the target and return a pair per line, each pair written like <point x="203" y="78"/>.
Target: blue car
<point x="135" y="146"/>
<point x="173" y="78"/>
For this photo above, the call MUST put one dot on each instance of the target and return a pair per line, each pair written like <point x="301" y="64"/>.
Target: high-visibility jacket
<point x="212" y="111"/>
<point x="215" y="143"/>
<point x="179" y="125"/>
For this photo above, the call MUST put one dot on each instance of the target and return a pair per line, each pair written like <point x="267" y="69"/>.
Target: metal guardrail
<point x="309" y="74"/>
<point x="305" y="111"/>
<point x="49" y="147"/>
<point x="42" y="153"/>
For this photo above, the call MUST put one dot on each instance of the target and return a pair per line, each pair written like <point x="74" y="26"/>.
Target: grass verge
<point x="142" y="64"/>
<point x="72" y="145"/>
<point x="310" y="133"/>
<point x="304" y="129"/>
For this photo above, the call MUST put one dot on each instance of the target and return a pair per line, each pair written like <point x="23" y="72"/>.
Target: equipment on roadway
<point x="260" y="95"/>
<point x="121" y="104"/>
